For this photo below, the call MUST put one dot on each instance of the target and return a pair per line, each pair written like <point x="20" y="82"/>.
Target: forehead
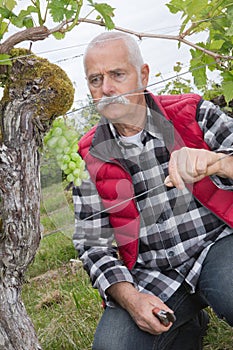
<point x="106" y="56"/>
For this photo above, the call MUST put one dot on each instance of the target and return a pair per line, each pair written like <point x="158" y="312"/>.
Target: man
<point x="161" y="176"/>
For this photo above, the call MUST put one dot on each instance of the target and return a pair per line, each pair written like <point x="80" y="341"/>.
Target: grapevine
<point x="62" y="142"/>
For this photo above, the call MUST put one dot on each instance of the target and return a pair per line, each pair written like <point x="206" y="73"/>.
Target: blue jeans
<point x="117" y="330"/>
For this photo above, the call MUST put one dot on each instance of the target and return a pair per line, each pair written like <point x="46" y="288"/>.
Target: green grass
<point x="58" y="296"/>
<point x="219" y="335"/>
<point x="63" y="306"/>
<point x="61" y="322"/>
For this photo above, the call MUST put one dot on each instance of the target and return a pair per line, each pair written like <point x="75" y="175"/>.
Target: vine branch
<point x="42" y="32"/>
<point x="140" y="35"/>
<point x="31" y="34"/>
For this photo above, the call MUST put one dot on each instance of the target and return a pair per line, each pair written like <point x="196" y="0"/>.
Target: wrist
<point x="224" y="165"/>
<point x="124" y="293"/>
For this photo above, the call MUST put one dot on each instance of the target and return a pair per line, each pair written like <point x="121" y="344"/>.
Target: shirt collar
<point x="156" y="125"/>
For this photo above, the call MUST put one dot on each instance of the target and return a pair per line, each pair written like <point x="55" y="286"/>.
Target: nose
<point x="108" y="86"/>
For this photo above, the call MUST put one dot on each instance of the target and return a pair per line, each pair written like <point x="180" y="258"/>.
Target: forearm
<point x="124" y="293"/>
<point x="140" y="306"/>
<point x="104" y="268"/>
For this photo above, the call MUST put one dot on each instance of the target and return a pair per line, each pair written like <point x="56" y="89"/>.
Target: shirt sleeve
<point x="94" y="240"/>
<point x="217" y="129"/>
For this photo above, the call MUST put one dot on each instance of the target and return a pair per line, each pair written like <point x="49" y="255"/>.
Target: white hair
<point x="134" y="53"/>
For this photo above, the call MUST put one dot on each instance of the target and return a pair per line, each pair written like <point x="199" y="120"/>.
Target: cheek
<point x="95" y="93"/>
<point x="133" y="98"/>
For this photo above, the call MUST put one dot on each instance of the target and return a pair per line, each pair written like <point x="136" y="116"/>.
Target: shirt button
<point x="171" y="253"/>
<point x="163" y="296"/>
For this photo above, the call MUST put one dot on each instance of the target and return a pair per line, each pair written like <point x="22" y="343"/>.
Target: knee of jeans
<point x="98" y="346"/>
<point x="103" y="343"/>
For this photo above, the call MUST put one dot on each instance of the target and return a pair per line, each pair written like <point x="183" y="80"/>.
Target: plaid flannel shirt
<point x="176" y="231"/>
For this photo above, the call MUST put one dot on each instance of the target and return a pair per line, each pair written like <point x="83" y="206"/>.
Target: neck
<point x="127" y="130"/>
<point x="133" y="123"/>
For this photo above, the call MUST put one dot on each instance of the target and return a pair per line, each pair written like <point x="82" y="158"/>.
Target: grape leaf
<point x="194" y="8"/>
<point x="198" y="69"/>
<point x="6" y="13"/>
<point x="24" y="18"/>
<point x="229" y="32"/>
<point x="228" y="90"/>
<point x="58" y="35"/>
<point x="3" y="29"/>
<point x="5" y="60"/>
<point x="227" y="76"/>
<point x="62" y="9"/>
<point x="106" y="12"/>
<point x="175" y="6"/>
<point x="28" y="22"/>
<point x="10" y="4"/>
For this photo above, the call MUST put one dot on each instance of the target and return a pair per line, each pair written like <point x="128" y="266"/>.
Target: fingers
<point x="164" y="317"/>
<point x="190" y="165"/>
<point x="154" y="323"/>
<point x="175" y="169"/>
<point x="143" y="315"/>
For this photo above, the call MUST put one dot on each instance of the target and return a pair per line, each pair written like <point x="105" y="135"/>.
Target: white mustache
<point x="105" y="101"/>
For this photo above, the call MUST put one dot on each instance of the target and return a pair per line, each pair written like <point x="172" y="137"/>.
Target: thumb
<point x="168" y="182"/>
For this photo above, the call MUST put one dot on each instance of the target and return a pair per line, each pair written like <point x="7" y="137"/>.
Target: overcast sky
<point x="151" y="16"/>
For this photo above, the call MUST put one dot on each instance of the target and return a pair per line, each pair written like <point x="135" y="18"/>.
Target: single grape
<point x="77" y="182"/>
<point x="70" y="177"/>
<point x="57" y="131"/>
<point x="75" y="156"/>
<point x="76" y="172"/>
<point x="52" y="142"/>
<point x="72" y="165"/>
<point x="64" y="166"/>
<point x="66" y="158"/>
<point x="62" y="141"/>
<point x="67" y="171"/>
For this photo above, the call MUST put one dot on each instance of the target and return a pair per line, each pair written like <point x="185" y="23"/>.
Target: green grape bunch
<point x="62" y="141"/>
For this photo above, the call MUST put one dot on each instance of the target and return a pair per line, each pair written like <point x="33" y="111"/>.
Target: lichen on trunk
<point x="36" y="92"/>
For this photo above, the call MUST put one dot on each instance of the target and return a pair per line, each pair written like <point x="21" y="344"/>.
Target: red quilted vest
<point x="114" y="184"/>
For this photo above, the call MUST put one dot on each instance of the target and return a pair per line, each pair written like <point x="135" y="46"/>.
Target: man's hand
<point x="140" y="306"/>
<point x="191" y="165"/>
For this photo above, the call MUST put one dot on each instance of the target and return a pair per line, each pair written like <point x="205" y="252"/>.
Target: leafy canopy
<point x="213" y="18"/>
<point x="37" y="14"/>
<point x="64" y="12"/>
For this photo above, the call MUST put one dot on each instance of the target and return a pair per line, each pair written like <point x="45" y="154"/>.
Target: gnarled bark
<point x="36" y="92"/>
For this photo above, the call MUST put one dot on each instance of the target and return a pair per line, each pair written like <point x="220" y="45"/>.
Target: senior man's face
<point x="114" y="82"/>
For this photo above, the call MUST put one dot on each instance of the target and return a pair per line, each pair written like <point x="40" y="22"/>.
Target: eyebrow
<point x="94" y="75"/>
<point x="110" y="71"/>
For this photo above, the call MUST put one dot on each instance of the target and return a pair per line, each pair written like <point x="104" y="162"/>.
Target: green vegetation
<point x="58" y="295"/>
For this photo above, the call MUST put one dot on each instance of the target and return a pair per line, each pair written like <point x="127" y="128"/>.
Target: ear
<point x="145" y="74"/>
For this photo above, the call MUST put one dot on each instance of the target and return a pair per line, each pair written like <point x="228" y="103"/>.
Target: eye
<point x="118" y="76"/>
<point x="96" y="80"/>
